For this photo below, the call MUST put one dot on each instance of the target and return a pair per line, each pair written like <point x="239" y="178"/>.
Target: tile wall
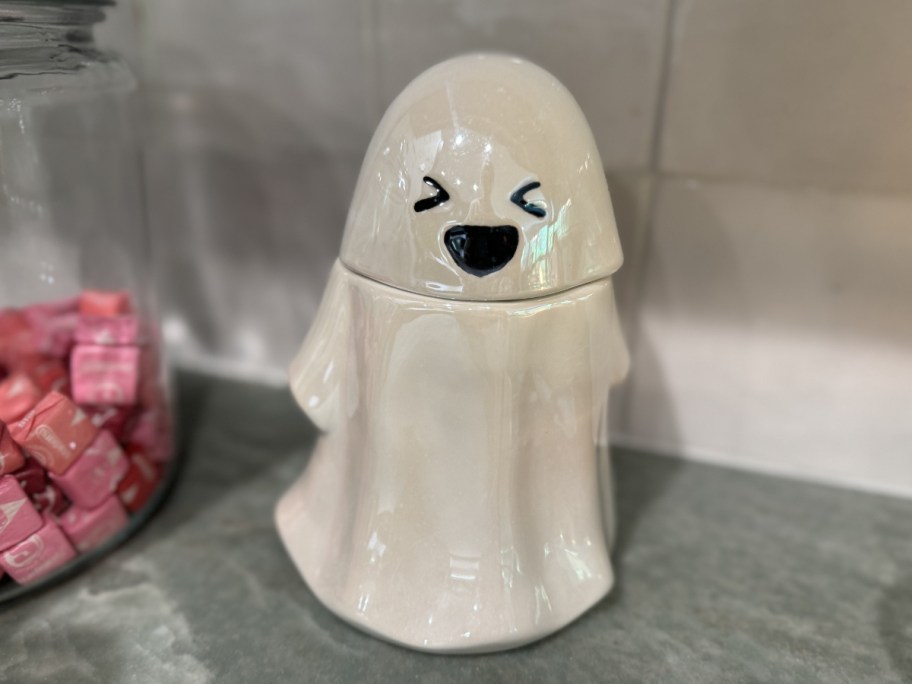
<point x="759" y="155"/>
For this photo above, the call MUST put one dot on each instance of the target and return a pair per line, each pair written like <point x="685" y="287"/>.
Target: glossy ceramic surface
<point x="458" y="498"/>
<point x="481" y="128"/>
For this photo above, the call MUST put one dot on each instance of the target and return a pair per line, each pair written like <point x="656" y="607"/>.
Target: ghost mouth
<point x="481" y="250"/>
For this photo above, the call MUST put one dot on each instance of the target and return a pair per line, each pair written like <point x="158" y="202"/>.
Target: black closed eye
<point x="519" y="200"/>
<point x="436" y="200"/>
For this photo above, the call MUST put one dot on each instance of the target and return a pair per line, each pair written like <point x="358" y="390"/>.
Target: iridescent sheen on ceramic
<point x="459" y="370"/>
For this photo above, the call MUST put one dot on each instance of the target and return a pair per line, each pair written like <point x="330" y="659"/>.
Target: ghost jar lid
<point x="483" y="182"/>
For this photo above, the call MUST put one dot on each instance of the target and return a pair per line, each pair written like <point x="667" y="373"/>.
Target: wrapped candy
<point x="104" y="303"/>
<point x="18" y="516"/>
<point x="95" y="474"/>
<point x="83" y="428"/>
<point x="89" y="528"/>
<point x="114" y="419"/>
<point x="139" y="482"/>
<point x="31" y="477"/>
<point x="50" y="499"/>
<point x="18" y="394"/>
<point x="38" y="555"/>
<point x="55" y="432"/>
<point x="11" y="457"/>
<point x="109" y="330"/>
<point x="105" y="375"/>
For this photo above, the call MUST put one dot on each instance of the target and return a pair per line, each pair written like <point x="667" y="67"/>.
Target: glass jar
<point x="85" y="428"/>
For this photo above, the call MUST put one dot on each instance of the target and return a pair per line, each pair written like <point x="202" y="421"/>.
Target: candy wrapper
<point x="50" y="374"/>
<point x="105" y="375"/>
<point x="31" y="477"/>
<point x="89" y="528"/>
<point x="11" y="456"/>
<point x="51" y="499"/>
<point x="55" y="432"/>
<point x="18" y="517"/>
<point x="95" y="474"/>
<point x="114" y="419"/>
<point x="109" y="330"/>
<point x="40" y="554"/>
<point x="139" y="483"/>
<point x="18" y="394"/>
<point x="83" y="427"/>
<point x="104" y="303"/>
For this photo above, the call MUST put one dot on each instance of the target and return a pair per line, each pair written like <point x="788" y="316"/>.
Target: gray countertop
<point x="724" y="576"/>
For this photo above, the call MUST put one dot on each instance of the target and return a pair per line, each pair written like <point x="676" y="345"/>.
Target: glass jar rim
<point x="52" y="12"/>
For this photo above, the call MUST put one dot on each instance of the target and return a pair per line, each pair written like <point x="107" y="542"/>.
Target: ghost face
<point x="480" y="229"/>
<point x="478" y="250"/>
<point x="476" y="206"/>
<point x="482" y="183"/>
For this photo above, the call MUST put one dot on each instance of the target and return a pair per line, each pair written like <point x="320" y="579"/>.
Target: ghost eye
<point x="519" y="199"/>
<point x="440" y="196"/>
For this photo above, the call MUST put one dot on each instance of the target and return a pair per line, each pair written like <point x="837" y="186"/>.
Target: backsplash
<point x="759" y="157"/>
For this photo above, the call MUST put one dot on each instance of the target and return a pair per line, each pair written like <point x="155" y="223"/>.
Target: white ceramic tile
<point x="776" y="333"/>
<point x="817" y="92"/>
<point x="607" y="52"/>
<point x="245" y="233"/>
<point x="258" y="115"/>
<point x="630" y="196"/>
<point x="305" y="65"/>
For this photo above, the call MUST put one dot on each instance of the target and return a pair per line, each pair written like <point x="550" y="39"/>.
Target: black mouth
<point x="481" y="250"/>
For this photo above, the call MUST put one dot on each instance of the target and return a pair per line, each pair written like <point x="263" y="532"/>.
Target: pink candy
<point x="80" y="385"/>
<point x="50" y="375"/>
<point x="46" y="310"/>
<point x="38" y="555"/>
<point x="104" y="303"/>
<point x="105" y="375"/>
<point x="114" y="419"/>
<point x="18" y="394"/>
<point x="50" y="499"/>
<point x="95" y="474"/>
<point x="15" y="336"/>
<point x="18" y="517"/>
<point x="11" y="457"/>
<point x="139" y="483"/>
<point x="152" y="434"/>
<point x="55" y="432"/>
<point x="54" y="336"/>
<point x="109" y="330"/>
<point x="90" y="528"/>
<point x="31" y="477"/>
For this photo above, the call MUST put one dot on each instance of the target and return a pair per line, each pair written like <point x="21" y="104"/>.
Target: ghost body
<point x="459" y="369"/>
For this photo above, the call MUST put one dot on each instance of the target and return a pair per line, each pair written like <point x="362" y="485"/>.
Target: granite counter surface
<point x="723" y="576"/>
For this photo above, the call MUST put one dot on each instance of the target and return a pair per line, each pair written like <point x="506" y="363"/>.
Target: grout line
<point x="643" y="232"/>
<point x="370" y="44"/>
<point x="758" y="466"/>
<point x="760" y="183"/>
<point x="791" y="186"/>
<point x="658" y="122"/>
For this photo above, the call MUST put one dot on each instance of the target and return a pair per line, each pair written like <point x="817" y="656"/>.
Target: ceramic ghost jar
<point x="459" y="369"/>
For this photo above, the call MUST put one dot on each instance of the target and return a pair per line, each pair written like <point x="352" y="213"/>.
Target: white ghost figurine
<point x="458" y="498"/>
